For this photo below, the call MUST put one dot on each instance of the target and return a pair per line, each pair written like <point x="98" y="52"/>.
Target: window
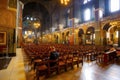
<point x="100" y="13"/>
<point x="86" y="1"/>
<point x="114" y="5"/>
<point x="87" y="14"/>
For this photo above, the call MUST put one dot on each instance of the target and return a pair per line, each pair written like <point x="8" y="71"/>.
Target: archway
<point x="56" y="37"/>
<point x="63" y="38"/>
<point x="67" y="37"/>
<point x="80" y="36"/>
<point x="35" y="12"/>
<point x="110" y="33"/>
<point x="105" y="33"/>
<point x="90" y="35"/>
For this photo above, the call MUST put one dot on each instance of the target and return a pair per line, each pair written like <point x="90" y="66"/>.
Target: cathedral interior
<point x="81" y="31"/>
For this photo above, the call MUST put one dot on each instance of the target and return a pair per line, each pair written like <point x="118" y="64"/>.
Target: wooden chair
<point x="80" y="58"/>
<point x="36" y="62"/>
<point x="118" y="54"/>
<point x="42" y="69"/>
<point x="76" y="59"/>
<point x="61" y="64"/>
<point x="52" y="66"/>
<point x="99" y="57"/>
<point x="69" y="61"/>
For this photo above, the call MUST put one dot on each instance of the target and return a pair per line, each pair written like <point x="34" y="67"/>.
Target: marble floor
<point x="15" y="69"/>
<point x="20" y="69"/>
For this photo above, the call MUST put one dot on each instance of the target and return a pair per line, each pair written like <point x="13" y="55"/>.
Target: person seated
<point x="54" y="55"/>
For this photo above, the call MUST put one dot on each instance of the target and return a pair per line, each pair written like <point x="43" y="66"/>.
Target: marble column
<point x="118" y="36"/>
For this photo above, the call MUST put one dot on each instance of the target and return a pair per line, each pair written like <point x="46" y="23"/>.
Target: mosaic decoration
<point x="12" y="4"/>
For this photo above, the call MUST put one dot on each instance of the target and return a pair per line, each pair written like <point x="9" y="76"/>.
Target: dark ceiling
<point x="43" y="1"/>
<point x="40" y="9"/>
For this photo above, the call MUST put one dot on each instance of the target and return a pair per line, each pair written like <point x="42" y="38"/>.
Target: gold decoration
<point x="12" y="4"/>
<point x="65" y="2"/>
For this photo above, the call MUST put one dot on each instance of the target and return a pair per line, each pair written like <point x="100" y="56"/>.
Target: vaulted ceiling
<point x="41" y="9"/>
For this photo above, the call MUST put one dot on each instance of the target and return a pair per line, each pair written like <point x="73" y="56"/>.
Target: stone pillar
<point x="118" y="36"/>
<point x="103" y="38"/>
<point x="84" y="39"/>
<point x="19" y="24"/>
<point x="97" y="27"/>
<point x="97" y="37"/>
<point x="98" y="33"/>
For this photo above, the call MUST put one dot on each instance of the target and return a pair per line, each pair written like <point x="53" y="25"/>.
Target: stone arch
<point x="110" y="24"/>
<point x="63" y="34"/>
<point x="41" y="3"/>
<point x="106" y="26"/>
<point x="67" y="36"/>
<point x="80" y="36"/>
<point x="110" y="30"/>
<point x="90" y="30"/>
<point x="80" y="32"/>
<point x="56" y="37"/>
<point x="38" y="11"/>
<point x="67" y="33"/>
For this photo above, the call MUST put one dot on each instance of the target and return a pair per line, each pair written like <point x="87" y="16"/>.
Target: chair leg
<point x="77" y="64"/>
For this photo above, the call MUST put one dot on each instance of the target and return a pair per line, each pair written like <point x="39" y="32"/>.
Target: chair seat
<point x="74" y="60"/>
<point x="37" y="60"/>
<point x="61" y="63"/>
<point x="69" y="61"/>
<point x="42" y="67"/>
<point x="118" y="54"/>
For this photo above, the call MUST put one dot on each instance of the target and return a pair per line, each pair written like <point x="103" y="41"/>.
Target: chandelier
<point x="65" y="2"/>
<point x="36" y="24"/>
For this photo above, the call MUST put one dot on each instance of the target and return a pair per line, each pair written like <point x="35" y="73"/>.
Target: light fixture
<point x="29" y="32"/>
<point x="36" y="24"/>
<point x="31" y="18"/>
<point x="65" y="2"/>
<point x="27" y="18"/>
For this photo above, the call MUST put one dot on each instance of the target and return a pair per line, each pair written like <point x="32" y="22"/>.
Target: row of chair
<point x="42" y="65"/>
<point x="68" y="56"/>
